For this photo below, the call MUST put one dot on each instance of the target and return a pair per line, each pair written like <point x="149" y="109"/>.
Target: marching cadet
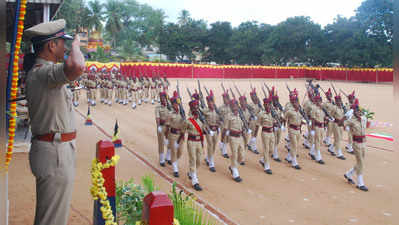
<point x="129" y="88"/>
<point x="135" y="92"/>
<point x="195" y="129"/>
<point x="116" y="87"/>
<point x="234" y="128"/>
<point x="225" y="111"/>
<point x="146" y="89"/>
<point x="175" y="134"/>
<point x="108" y="89"/>
<point x="351" y="101"/>
<point x="317" y="116"/>
<point x="294" y="122"/>
<point x="166" y="83"/>
<point x="213" y="122"/>
<point x="289" y="105"/>
<point x="91" y="88"/>
<point x="256" y="107"/>
<point x="357" y="125"/>
<point x="153" y="86"/>
<point x="140" y="89"/>
<point x="248" y="117"/>
<point x="266" y="121"/>
<point x="337" y="112"/>
<point x="52" y="153"/>
<point x="75" y="88"/>
<point x="161" y="114"/>
<point x="124" y="90"/>
<point x="277" y="130"/>
<point x="101" y="86"/>
<point x="328" y="105"/>
<point x="309" y="135"/>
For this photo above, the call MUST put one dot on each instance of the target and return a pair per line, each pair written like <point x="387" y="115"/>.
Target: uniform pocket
<point x="43" y="159"/>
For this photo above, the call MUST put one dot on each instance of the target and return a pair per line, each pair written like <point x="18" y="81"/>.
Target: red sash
<point x="197" y="127"/>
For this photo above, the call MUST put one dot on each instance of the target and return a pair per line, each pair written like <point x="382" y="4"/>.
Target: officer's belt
<point x="214" y="127"/>
<point x="192" y="137"/>
<point x="174" y="130"/>
<point x="234" y="133"/>
<point x="64" y="137"/>
<point x="295" y="127"/>
<point x="359" y="139"/>
<point x="318" y="124"/>
<point x="267" y="129"/>
<point x="162" y="122"/>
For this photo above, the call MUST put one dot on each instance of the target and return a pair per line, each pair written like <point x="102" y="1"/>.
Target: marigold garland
<point x="14" y="83"/>
<point x="98" y="190"/>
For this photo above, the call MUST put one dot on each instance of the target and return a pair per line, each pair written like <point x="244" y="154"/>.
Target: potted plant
<point x="369" y="115"/>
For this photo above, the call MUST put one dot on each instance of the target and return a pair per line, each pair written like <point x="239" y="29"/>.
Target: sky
<point x="322" y="12"/>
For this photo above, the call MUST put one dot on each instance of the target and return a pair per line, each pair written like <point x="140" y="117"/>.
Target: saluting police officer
<point x="52" y="152"/>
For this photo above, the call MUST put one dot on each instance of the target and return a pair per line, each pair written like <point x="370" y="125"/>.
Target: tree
<point x="184" y="17"/>
<point x="75" y="13"/>
<point x="113" y="26"/>
<point x="95" y="16"/>
<point x="218" y="41"/>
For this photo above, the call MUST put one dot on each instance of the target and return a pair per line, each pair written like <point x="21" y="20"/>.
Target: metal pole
<point x="46" y="13"/>
<point x="3" y="149"/>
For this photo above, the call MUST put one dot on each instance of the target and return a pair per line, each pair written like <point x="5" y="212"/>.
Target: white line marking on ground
<point x="353" y="220"/>
<point x="379" y="185"/>
<point x="291" y="221"/>
<point x="387" y="214"/>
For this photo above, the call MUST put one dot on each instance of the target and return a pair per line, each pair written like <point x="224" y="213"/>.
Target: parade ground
<point x="316" y="194"/>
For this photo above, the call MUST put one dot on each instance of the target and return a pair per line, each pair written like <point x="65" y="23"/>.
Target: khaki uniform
<point x="146" y="87"/>
<point x="328" y="106"/>
<point x="176" y="124"/>
<point x="350" y="141"/>
<point x="318" y="116"/>
<point x="92" y="88"/>
<point x="337" y="113"/>
<point x="307" y="107"/>
<point x="161" y="113"/>
<point x="124" y="90"/>
<point x="277" y="130"/>
<point x="141" y="91"/>
<point x="194" y="148"/>
<point x="213" y="122"/>
<point x="109" y="88"/>
<point x="358" y="130"/>
<point x="153" y="86"/>
<point x="135" y="92"/>
<point x="224" y="111"/>
<point x="246" y="136"/>
<point x="266" y="122"/>
<point x="52" y="163"/>
<point x="252" y="125"/>
<point x="102" y="89"/>
<point x="235" y="126"/>
<point x="294" y="120"/>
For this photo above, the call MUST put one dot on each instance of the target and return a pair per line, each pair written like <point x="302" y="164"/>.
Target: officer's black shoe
<point x="349" y="179"/>
<point x="162" y="164"/>
<point x="312" y="156"/>
<point x="289" y="161"/>
<point x="231" y="171"/>
<point x="262" y="163"/>
<point x="226" y="156"/>
<point x="249" y="147"/>
<point x="307" y="147"/>
<point x="287" y="140"/>
<point x="212" y="169"/>
<point x="277" y="159"/>
<point x="169" y="162"/>
<point x="256" y="152"/>
<point x="297" y="167"/>
<point x="242" y="163"/>
<point x="363" y="188"/>
<point x="197" y="187"/>
<point x="341" y="157"/>
<point x="206" y="161"/>
<point x="176" y="174"/>
<point x="320" y="161"/>
<point x="350" y="152"/>
<point x="331" y="152"/>
<point x="268" y="171"/>
<point x="237" y="179"/>
<point x="189" y="177"/>
<point x="286" y="147"/>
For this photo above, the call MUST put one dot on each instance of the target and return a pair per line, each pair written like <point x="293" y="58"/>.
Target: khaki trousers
<point x="194" y="149"/>
<point x="161" y="140"/>
<point x="318" y="137"/>
<point x="295" y="136"/>
<point x="237" y="151"/>
<point x="154" y="93"/>
<point x="359" y="150"/>
<point x="337" y="131"/>
<point x="277" y="135"/>
<point x="330" y="129"/>
<point x="268" y="141"/>
<point x="134" y="96"/>
<point x="175" y="152"/>
<point x="53" y="165"/>
<point x="211" y="142"/>
<point x="93" y="93"/>
<point x="102" y="93"/>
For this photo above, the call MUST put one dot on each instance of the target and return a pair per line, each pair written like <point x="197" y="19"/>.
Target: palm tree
<point x="96" y="16"/>
<point x="184" y="17"/>
<point x="113" y="26"/>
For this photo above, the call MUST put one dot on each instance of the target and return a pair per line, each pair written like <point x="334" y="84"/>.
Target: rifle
<point x="342" y="104"/>
<point x="315" y="90"/>
<point x="250" y="109"/>
<point x="274" y="114"/>
<point x="241" y="114"/>
<point x="300" y="107"/>
<point x="201" y="114"/>
<point x="202" y="102"/>
<point x="216" y="108"/>
<point x="181" y="109"/>
<point x="280" y="107"/>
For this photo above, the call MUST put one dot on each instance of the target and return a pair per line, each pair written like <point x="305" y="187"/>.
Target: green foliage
<point x="148" y="183"/>
<point x="368" y="114"/>
<point x="129" y="202"/>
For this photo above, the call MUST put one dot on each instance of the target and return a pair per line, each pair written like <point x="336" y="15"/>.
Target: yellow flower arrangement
<point x="98" y="190"/>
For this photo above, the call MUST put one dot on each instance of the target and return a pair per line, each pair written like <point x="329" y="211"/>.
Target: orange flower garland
<point x="14" y="83"/>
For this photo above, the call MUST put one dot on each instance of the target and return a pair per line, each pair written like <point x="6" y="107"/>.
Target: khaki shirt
<point x="49" y="100"/>
<point x="328" y="106"/>
<point x="211" y="117"/>
<point x="358" y="128"/>
<point x="224" y="110"/>
<point x="174" y="120"/>
<point x="233" y="122"/>
<point x="337" y="112"/>
<point x="161" y="112"/>
<point x="265" y="119"/>
<point x="190" y="128"/>
<point x="317" y="114"/>
<point x="288" y="106"/>
<point x="293" y="117"/>
<point x="308" y="106"/>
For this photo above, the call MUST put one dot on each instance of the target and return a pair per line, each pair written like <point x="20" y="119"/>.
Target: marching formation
<point x="237" y="124"/>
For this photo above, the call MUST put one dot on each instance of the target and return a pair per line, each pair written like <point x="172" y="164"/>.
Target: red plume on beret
<point x="328" y="93"/>
<point x="226" y="94"/>
<point x="355" y="105"/>
<point x="267" y="100"/>
<point x="253" y="92"/>
<point x="193" y="104"/>
<point x="337" y="97"/>
<point x="271" y="92"/>
<point x="242" y="98"/>
<point x="233" y="102"/>
<point x="162" y="94"/>
<point x="352" y="95"/>
<point x="210" y="96"/>
<point x="195" y="96"/>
